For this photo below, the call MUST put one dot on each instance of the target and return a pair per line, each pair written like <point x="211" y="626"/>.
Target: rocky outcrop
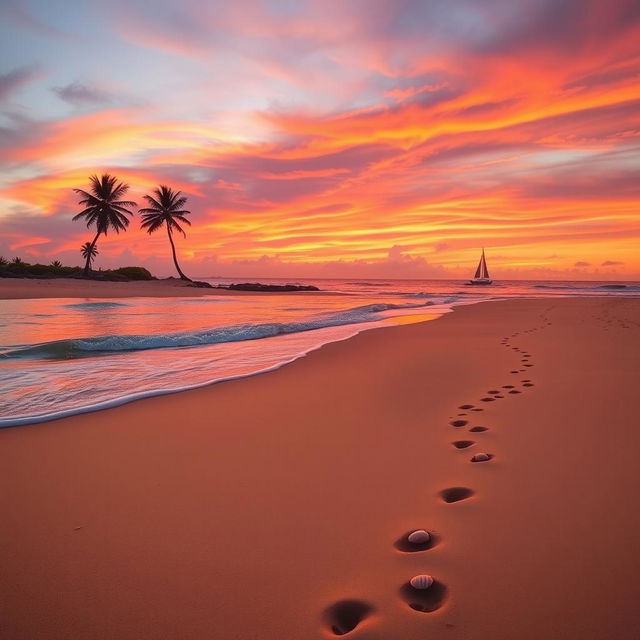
<point x="256" y="286"/>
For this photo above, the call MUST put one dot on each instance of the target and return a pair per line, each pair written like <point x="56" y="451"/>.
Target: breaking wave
<point x="94" y="306"/>
<point x="103" y="345"/>
<point x="589" y="287"/>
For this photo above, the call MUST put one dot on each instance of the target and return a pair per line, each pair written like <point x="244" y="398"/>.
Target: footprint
<point x="515" y="372"/>
<point x="402" y="544"/>
<point x="465" y="406"/>
<point x="462" y="444"/>
<point x="487" y="399"/>
<point x="493" y="391"/>
<point x="458" y="423"/>
<point x="424" y="600"/>
<point x="514" y="391"/>
<point x="344" y="616"/>
<point x="508" y="386"/>
<point x="528" y="384"/>
<point x="499" y="397"/>
<point x="478" y="429"/>
<point x="455" y="494"/>
<point x="477" y="409"/>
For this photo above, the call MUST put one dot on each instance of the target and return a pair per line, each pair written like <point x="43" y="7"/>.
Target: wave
<point x="368" y="284"/>
<point x="20" y="420"/>
<point x="556" y="287"/>
<point x="95" y="306"/>
<point x="102" y="345"/>
<point x="421" y="294"/>
<point x="599" y="287"/>
<point x="630" y="287"/>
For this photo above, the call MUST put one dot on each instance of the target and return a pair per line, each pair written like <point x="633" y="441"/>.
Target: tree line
<point x="105" y="210"/>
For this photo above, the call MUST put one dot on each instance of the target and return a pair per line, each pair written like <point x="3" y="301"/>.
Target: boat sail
<point x="482" y="273"/>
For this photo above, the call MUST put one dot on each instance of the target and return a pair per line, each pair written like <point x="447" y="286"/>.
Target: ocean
<point x="60" y="357"/>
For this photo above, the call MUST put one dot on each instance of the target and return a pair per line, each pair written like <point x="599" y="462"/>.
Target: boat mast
<point x="485" y="271"/>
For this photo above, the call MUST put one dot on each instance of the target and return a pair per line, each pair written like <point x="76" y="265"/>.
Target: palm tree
<point x="104" y="209"/>
<point x="89" y="252"/>
<point x="166" y="209"/>
<point x="3" y="261"/>
<point x="56" y="264"/>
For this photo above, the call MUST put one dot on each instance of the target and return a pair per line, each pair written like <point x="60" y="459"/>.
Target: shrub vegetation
<point x="19" y="269"/>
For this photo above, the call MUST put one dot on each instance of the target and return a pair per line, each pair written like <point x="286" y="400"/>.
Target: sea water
<point x="64" y="356"/>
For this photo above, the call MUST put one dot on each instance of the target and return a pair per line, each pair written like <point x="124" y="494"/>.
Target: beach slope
<point x="248" y="509"/>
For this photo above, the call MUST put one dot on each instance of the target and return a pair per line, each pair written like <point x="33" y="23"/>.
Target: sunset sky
<point x="330" y="138"/>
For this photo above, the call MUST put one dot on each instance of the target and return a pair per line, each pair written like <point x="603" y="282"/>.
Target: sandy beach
<point x="26" y="288"/>
<point x="247" y="509"/>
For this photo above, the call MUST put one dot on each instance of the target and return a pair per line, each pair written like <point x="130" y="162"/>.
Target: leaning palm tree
<point x="103" y="208"/>
<point x="166" y="209"/>
<point x="89" y="252"/>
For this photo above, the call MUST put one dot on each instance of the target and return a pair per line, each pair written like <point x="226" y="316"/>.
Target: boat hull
<point x="481" y="281"/>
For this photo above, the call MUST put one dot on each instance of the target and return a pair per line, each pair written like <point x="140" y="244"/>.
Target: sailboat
<point x="482" y="273"/>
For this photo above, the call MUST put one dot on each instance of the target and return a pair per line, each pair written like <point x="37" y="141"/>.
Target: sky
<point x="330" y="138"/>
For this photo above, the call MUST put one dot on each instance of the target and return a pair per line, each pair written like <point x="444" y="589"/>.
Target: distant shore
<point x="255" y="508"/>
<point x="24" y="288"/>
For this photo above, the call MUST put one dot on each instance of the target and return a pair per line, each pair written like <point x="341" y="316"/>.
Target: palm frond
<point x="84" y="193"/>
<point x="105" y="209"/>
<point x="172" y="224"/>
<point x="165" y="208"/>
<point x="153" y="202"/>
<point x="152" y="225"/>
<point x="180" y="217"/>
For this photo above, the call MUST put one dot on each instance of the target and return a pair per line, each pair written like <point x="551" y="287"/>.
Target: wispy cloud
<point x="18" y="15"/>
<point x="77" y="93"/>
<point x="16" y="78"/>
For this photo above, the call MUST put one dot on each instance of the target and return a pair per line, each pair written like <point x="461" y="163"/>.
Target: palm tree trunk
<point x="175" y="259"/>
<point x="87" y="266"/>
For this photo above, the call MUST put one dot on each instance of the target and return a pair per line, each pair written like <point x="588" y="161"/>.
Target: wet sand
<point x="251" y="508"/>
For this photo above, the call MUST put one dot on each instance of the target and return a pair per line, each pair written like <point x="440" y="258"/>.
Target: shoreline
<point x="9" y="423"/>
<point x="425" y="316"/>
<point x="157" y="518"/>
